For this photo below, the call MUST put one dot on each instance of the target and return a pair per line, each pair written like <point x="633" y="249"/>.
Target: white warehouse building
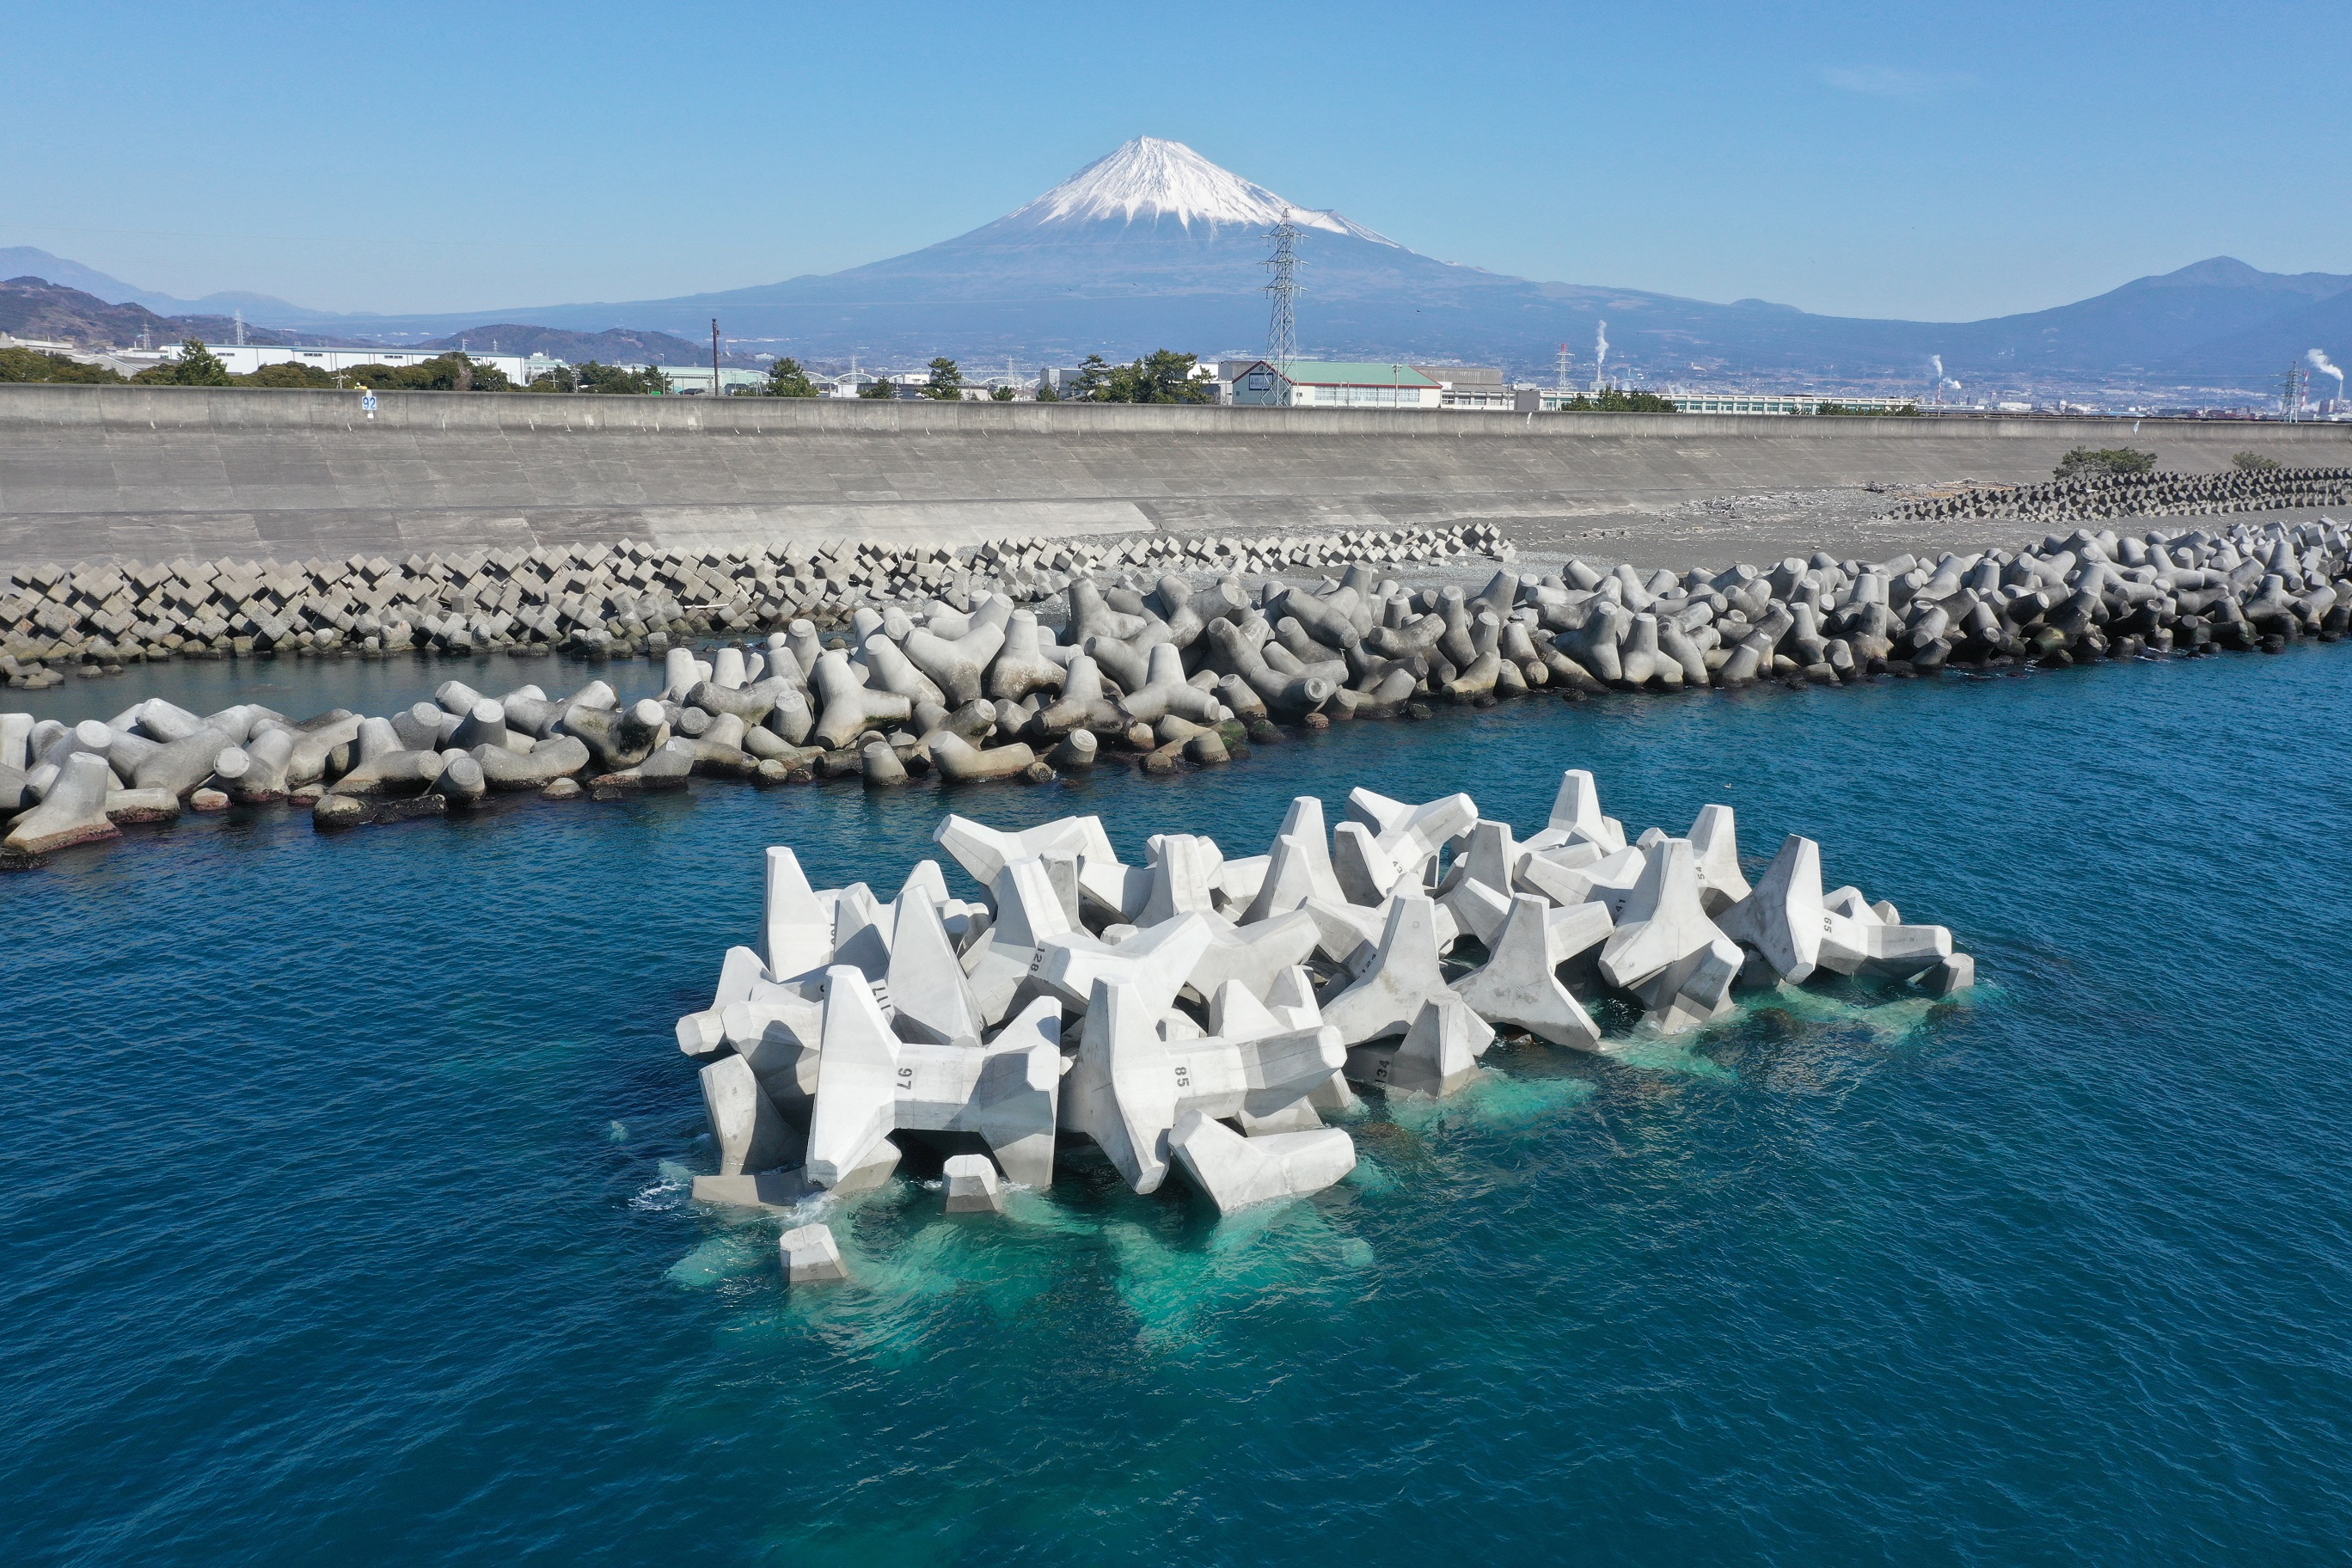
<point x="1336" y="384"/>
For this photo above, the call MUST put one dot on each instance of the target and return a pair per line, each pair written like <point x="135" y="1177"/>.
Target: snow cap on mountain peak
<point x="1150" y="178"/>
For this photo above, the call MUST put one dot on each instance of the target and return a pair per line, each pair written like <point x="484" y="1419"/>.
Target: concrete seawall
<point x="156" y="473"/>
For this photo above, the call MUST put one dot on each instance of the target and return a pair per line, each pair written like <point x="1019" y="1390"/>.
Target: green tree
<point x="947" y="382"/>
<point x="451" y="372"/>
<point x="1908" y="411"/>
<point x="619" y="379"/>
<point x="999" y="395"/>
<point x="1094" y="381"/>
<point x="1161" y="377"/>
<point x="787" y="379"/>
<point x="879" y="388"/>
<point x="196" y="366"/>
<point x="1045" y="393"/>
<point x="558" y="379"/>
<point x="2083" y="463"/>
<point x="32" y="365"/>
<point x="1610" y="400"/>
<point x="2254" y="463"/>
<point x="287" y="372"/>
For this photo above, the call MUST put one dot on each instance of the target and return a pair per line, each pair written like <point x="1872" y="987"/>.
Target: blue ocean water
<point x="346" y="1217"/>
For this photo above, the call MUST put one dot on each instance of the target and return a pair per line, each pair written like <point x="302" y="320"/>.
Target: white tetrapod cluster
<point x="1205" y="1013"/>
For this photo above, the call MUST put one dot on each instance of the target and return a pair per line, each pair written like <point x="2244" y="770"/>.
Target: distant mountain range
<point x="33" y="307"/>
<point x="1156" y="247"/>
<point x="616" y="345"/>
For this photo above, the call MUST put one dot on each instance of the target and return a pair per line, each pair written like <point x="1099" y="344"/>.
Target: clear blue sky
<point x="1936" y="161"/>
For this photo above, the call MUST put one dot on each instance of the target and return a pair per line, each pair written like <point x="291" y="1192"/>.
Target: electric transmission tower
<point x="1559" y="370"/>
<point x="2291" y="395"/>
<point x="1282" y="327"/>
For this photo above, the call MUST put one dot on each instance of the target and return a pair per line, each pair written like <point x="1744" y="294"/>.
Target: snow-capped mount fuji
<point x="1151" y="247"/>
<point x="1153" y="181"/>
<point x="1156" y="247"/>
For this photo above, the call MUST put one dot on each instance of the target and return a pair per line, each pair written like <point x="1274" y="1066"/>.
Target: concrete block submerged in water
<point x="1236" y="1172"/>
<point x="811" y="1256"/>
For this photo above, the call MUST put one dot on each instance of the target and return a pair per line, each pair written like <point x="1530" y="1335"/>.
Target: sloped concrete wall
<point x="156" y="473"/>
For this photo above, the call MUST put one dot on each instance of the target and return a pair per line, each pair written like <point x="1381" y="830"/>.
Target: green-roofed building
<point x="1336" y="384"/>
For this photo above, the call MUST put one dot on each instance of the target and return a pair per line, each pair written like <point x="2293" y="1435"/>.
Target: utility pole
<point x="714" y="356"/>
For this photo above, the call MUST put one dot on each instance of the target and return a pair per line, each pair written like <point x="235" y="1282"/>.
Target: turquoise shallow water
<point x="345" y="1216"/>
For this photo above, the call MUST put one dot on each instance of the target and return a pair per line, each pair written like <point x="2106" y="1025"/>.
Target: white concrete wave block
<point x="1129" y="1084"/>
<point x="1781" y="919"/>
<point x="1854" y="946"/>
<point x="777" y="1191"/>
<point x="1298" y="864"/>
<point x="1253" y="954"/>
<point x="701" y="1033"/>
<point x="1157" y="961"/>
<point x="982" y="850"/>
<point x="1576" y="818"/>
<point x="1122" y="1088"/>
<point x="1029" y="910"/>
<point x="1478" y="908"/>
<point x="1663" y="923"/>
<point x="1365" y="873"/>
<point x="781" y="1035"/>
<point x="1693" y="990"/>
<point x="1412" y="835"/>
<point x="1403" y="976"/>
<point x="751" y="1133"/>
<point x="796" y="933"/>
<point x="1436" y="1057"/>
<point x="1609" y="880"/>
<point x="973" y="1186"/>
<point x="870" y="1084"/>
<point x="1520" y="985"/>
<point x="861" y="932"/>
<point x="931" y="1002"/>
<point x="856" y="1084"/>
<point x="1236" y="1172"/>
<point x="1184" y="868"/>
<point x="1715" y="838"/>
<point x="810" y="1256"/>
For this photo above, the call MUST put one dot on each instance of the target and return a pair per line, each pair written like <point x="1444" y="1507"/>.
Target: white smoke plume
<point x="2319" y="361"/>
<point x="1600" y="353"/>
<point x="1937" y="361"/>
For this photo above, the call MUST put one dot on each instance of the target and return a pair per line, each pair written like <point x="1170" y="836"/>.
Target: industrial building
<point x="1765" y="403"/>
<point x="1471" y="387"/>
<point x="1334" y="384"/>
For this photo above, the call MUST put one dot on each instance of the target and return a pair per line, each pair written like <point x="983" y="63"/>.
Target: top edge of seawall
<point x="67" y="406"/>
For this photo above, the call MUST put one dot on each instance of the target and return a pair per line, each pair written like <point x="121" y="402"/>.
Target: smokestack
<point x="1600" y="353"/>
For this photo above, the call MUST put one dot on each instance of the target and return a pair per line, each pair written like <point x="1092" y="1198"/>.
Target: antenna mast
<point x="1281" y="327"/>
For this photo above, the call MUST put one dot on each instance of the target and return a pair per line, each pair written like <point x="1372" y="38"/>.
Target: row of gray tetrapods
<point x="2086" y="498"/>
<point x="591" y="597"/>
<point x="1180" y="675"/>
<point x="1206" y="1013"/>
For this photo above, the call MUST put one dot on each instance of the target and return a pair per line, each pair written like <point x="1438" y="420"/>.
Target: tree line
<point x="452" y="372"/>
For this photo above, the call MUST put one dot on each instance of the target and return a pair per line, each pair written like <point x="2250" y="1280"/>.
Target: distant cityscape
<point x="1243" y="380"/>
